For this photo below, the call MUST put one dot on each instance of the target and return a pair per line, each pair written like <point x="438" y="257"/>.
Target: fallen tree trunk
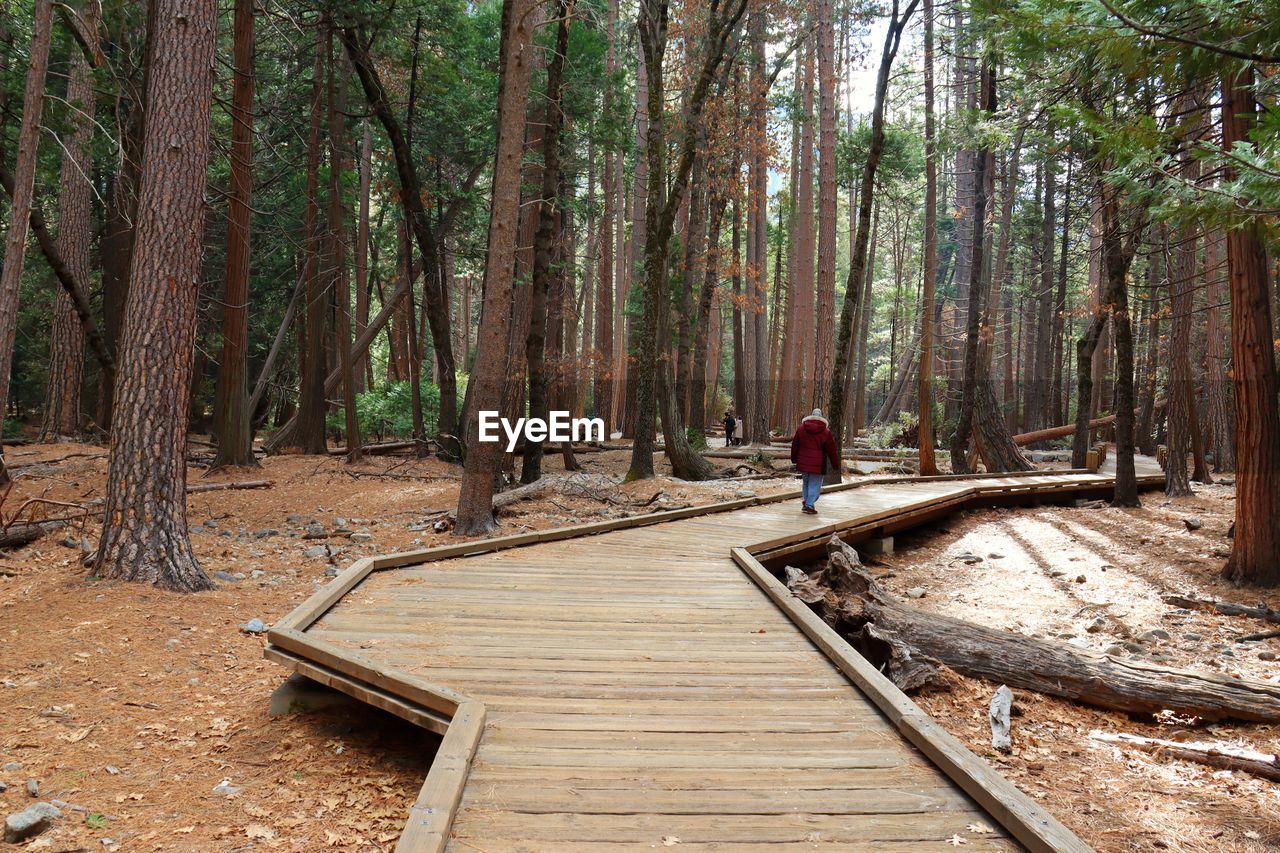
<point x="1262" y="764"/>
<point x="1226" y="608"/>
<point x="907" y="642"/>
<point x="1025" y="438"/>
<point x="219" y="487"/>
<point x="384" y="447"/>
<point x="17" y="535"/>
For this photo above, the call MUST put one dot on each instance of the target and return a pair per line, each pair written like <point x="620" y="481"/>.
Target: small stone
<point x="1096" y="625"/>
<point x="211" y="524"/>
<point x="1056" y="574"/>
<point x="915" y="592"/>
<point x="33" y="788"/>
<point x="12" y="766"/>
<point x="744" y="493"/>
<point x="331" y="572"/>
<point x="3" y="787"/>
<point x="171" y="644"/>
<point x="1192" y="635"/>
<point x="314" y="531"/>
<point x="265" y="532"/>
<point x="10" y="685"/>
<point x="293" y="519"/>
<point x="196" y="528"/>
<point x="1134" y="647"/>
<point x="1227" y="653"/>
<point x="29" y="822"/>
<point x="256" y="573"/>
<point x="225" y="576"/>
<point x="968" y="559"/>
<point x="69" y="542"/>
<point x="340" y="521"/>
<point x="1113" y="649"/>
<point x="1266" y="655"/>
<point x="1080" y="578"/>
<point x="316" y="552"/>
<point x="225" y="788"/>
<point x="112" y="771"/>
<point x="1193" y="523"/>
<point x="254" y="626"/>
<point x="361" y="537"/>
<point x="1152" y="635"/>
<point x="995" y="556"/>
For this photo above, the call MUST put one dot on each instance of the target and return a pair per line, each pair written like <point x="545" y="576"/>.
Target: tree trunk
<point x="857" y="268"/>
<point x="547" y="209"/>
<point x="144" y="533"/>
<point x="1219" y="419"/>
<point x="66" y="341"/>
<point x="1255" y="550"/>
<point x="363" y="368"/>
<point x="928" y="464"/>
<point x="824" y="360"/>
<point x="475" y="499"/>
<point x="337" y="105"/>
<point x="232" y="415"/>
<point x="309" y="434"/>
<point x="15" y="246"/>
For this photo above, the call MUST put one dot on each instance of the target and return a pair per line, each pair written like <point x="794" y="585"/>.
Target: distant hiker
<point x="813" y="447"/>
<point x="742" y="430"/>
<point x="730" y="423"/>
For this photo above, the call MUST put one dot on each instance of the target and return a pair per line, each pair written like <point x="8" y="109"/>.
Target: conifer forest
<point x="476" y="365"/>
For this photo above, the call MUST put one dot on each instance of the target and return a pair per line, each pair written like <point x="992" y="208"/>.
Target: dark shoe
<point x="809" y="510"/>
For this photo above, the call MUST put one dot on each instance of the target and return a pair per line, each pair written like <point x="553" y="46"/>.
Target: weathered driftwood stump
<point x="908" y="644"/>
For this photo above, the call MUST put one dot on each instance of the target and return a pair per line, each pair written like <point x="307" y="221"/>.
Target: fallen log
<point x="903" y="640"/>
<point x="1024" y="438"/>
<point x="17" y="535"/>
<point x="32" y="463"/>
<point x="219" y="487"/>
<point x="384" y="447"/>
<point x="1219" y="755"/>
<point x="1226" y="608"/>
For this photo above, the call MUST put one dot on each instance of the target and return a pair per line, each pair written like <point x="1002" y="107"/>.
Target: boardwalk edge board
<point x="461" y="718"/>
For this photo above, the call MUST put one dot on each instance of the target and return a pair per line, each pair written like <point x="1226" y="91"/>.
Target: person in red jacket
<point x="813" y="447"/>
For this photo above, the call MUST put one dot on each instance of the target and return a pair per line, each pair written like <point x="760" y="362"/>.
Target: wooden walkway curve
<point x="625" y="686"/>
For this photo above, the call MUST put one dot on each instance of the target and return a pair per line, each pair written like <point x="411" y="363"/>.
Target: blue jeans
<point x="811" y="487"/>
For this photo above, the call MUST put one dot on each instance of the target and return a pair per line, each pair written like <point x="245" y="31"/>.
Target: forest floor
<point x="130" y="705"/>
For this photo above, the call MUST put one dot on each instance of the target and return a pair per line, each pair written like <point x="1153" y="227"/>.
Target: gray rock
<point x="340" y="521"/>
<point x="3" y="787"/>
<point x="915" y="592"/>
<point x="1153" y="635"/>
<point x="196" y="528"/>
<point x="172" y="644"/>
<point x="293" y="519"/>
<point x="225" y="788"/>
<point x="331" y="572"/>
<point x="1096" y="625"/>
<point x="314" y="531"/>
<point x="342" y="531"/>
<point x="316" y="552"/>
<point x="10" y="685"/>
<point x="12" y="766"/>
<point x="33" y="788"/>
<point x="968" y="559"/>
<point x="225" y="576"/>
<point x="256" y="573"/>
<point x="1114" y="649"/>
<point x="1192" y="635"/>
<point x="744" y="493"/>
<point x="211" y="524"/>
<point x="254" y="626"/>
<point x="29" y="822"/>
<point x="1193" y="523"/>
<point x="361" y="537"/>
<point x="1266" y="655"/>
<point x="1134" y="647"/>
<point x="69" y="542"/>
<point x="1227" y="653"/>
<point x="265" y="532"/>
<point x="1081" y="579"/>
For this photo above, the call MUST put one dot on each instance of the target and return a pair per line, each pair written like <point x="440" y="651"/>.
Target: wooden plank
<point x="432" y="813"/>
<point x="1015" y="811"/>
<point x="419" y="716"/>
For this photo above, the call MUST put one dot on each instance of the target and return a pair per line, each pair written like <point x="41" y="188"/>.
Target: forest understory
<point x="132" y="705"/>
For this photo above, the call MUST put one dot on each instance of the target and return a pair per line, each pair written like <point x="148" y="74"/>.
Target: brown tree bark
<point x="232" y="413"/>
<point x="928" y="463"/>
<point x="309" y="434"/>
<point x="1219" y="420"/>
<point x="825" y="359"/>
<point x="15" y="246"/>
<point x="653" y="388"/>
<point x="475" y="499"/>
<point x="66" y="340"/>
<point x="144" y="533"/>
<point x="336" y="98"/>
<point x="1255" y="550"/>
<point x="857" y="269"/>
<point x="548" y="220"/>
<point x="363" y="368"/>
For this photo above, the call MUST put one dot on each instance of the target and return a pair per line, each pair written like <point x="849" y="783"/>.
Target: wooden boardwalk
<point x="616" y="686"/>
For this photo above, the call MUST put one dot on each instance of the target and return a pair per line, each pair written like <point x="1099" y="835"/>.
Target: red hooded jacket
<point x="813" y="447"/>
